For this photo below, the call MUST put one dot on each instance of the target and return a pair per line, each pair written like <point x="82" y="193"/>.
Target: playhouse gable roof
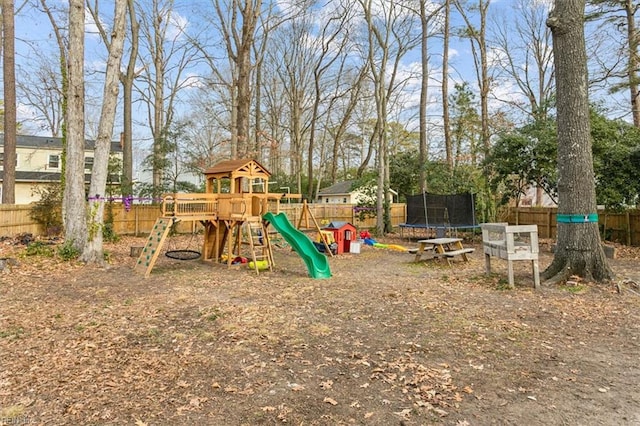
<point x="243" y="167"/>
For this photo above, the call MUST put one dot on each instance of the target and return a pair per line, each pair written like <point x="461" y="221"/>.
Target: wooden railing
<point x="189" y="205"/>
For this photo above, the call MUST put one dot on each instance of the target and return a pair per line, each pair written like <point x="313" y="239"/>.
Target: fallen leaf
<point x="330" y="401"/>
<point x="326" y="385"/>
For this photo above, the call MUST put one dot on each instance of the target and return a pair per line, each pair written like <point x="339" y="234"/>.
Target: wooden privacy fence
<point x="623" y="228"/>
<point x="139" y="219"/>
<point x="16" y="220"/>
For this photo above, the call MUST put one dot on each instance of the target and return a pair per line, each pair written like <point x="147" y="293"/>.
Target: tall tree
<point x="526" y="57"/>
<point x="329" y="49"/>
<point x="579" y="251"/>
<point x="390" y="36"/>
<point x="237" y="23"/>
<point x="74" y="204"/>
<point x="446" y="122"/>
<point x="92" y="252"/>
<point x="621" y="16"/>
<point x="40" y="88"/>
<point x="165" y="54"/>
<point x="9" y="75"/>
<point x="477" y="35"/>
<point x="127" y="78"/>
<point x="426" y="15"/>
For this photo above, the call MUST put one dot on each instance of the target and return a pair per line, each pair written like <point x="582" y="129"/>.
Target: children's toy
<point x="396" y="247"/>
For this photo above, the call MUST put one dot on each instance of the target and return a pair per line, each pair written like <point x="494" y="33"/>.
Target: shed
<point x="343" y="233"/>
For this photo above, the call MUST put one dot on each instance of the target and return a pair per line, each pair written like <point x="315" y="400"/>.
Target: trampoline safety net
<point x="435" y="210"/>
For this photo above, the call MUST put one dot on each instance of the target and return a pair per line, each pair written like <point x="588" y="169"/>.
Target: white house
<point x="39" y="163"/>
<point x="342" y="193"/>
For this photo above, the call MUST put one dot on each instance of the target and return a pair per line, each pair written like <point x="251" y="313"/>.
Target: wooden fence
<point x="623" y="228"/>
<point x="16" y="220"/>
<point x="139" y="219"/>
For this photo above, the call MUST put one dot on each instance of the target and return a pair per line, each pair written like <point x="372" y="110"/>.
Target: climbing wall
<point x="151" y="250"/>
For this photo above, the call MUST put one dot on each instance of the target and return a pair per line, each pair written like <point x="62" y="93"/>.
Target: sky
<point x="35" y="41"/>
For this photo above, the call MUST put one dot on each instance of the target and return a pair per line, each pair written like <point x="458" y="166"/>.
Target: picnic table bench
<point x="443" y="247"/>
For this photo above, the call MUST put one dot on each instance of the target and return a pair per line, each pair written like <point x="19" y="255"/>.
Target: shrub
<point x="68" y="251"/>
<point x="48" y="210"/>
<point x="38" y="248"/>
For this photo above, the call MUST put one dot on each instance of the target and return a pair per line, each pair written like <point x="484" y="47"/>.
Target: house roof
<point x="40" y="177"/>
<point x="340" y="188"/>
<point x="48" y="142"/>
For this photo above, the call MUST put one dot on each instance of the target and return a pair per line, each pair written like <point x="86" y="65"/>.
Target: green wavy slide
<point x="317" y="263"/>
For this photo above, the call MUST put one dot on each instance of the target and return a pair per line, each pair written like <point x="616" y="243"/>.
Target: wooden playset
<point x="231" y="212"/>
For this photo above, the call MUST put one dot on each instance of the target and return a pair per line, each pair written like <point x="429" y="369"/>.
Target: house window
<point x="88" y="163"/>
<point x="326" y="200"/>
<point x="54" y="161"/>
<point x="344" y="200"/>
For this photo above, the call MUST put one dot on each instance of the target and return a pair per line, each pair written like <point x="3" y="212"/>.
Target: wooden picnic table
<point x="443" y="247"/>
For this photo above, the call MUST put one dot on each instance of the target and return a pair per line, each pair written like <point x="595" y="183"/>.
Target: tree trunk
<point x="446" y="122"/>
<point x="74" y="207"/>
<point x="424" y="92"/>
<point x="579" y="251"/>
<point x="93" y="248"/>
<point x="634" y="61"/>
<point x="8" y="57"/>
<point x="127" y="89"/>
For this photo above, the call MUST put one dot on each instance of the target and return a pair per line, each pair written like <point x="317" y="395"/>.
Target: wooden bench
<point x="462" y="252"/>
<point x="511" y="242"/>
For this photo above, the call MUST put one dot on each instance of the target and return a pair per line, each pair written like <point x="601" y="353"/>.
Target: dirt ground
<point x="384" y="341"/>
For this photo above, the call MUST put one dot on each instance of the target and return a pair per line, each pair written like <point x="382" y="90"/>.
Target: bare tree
<point x="390" y="36"/>
<point x="579" y="250"/>
<point x="127" y="79"/>
<point x="41" y="89"/>
<point x="166" y="56"/>
<point x="9" y="75"/>
<point x="622" y="72"/>
<point x="526" y="56"/>
<point x="92" y="252"/>
<point x="237" y="23"/>
<point x="330" y="46"/>
<point x="446" y="36"/>
<point x="427" y="13"/>
<point x="293" y="63"/>
<point x="477" y="35"/>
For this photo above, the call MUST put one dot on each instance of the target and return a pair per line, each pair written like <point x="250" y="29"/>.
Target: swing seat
<point x="183" y="254"/>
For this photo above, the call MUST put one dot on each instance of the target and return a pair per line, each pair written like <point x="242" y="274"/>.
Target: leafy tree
<point x="525" y="157"/>
<point x="404" y="173"/>
<point x="616" y="151"/>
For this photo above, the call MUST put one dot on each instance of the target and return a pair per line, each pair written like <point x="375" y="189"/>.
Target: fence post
<point x="628" y="219"/>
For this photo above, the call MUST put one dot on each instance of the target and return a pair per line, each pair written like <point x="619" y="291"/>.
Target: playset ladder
<point x="151" y="249"/>
<point x="259" y="243"/>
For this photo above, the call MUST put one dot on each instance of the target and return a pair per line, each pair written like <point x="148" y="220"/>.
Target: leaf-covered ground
<point x="384" y="341"/>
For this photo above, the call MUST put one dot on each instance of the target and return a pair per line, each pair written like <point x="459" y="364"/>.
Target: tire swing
<point x="183" y="254"/>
